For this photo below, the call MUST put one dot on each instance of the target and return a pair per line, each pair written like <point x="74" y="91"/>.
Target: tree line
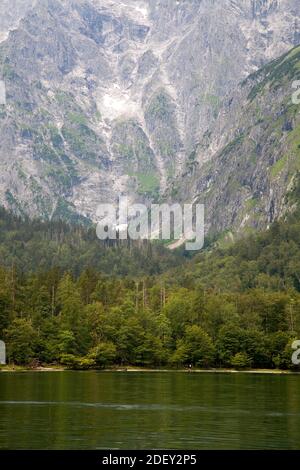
<point x="97" y="321"/>
<point x="235" y="306"/>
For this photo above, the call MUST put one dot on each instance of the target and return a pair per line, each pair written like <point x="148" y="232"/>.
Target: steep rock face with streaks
<point x="115" y="97"/>
<point x="246" y="170"/>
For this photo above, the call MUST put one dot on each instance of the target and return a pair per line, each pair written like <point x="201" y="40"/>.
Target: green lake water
<point x="163" y="410"/>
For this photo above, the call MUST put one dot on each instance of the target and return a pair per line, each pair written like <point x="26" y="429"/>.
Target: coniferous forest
<point x="68" y="299"/>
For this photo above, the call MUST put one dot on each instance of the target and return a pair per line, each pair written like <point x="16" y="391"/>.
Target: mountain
<point x="246" y="169"/>
<point x="107" y="98"/>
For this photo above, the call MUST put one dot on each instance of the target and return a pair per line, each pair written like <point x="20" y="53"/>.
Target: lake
<point x="141" y="410"/>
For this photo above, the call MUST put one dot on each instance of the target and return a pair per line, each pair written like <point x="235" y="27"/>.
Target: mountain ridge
<point x="113" y="98"/>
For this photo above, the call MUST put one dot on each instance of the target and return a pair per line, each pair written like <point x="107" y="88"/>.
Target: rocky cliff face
<point x="246" y="168"/>
<point x="12" y="11"/>
<point x="108" y="97"/>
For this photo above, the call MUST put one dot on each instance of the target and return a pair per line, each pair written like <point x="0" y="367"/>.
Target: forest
<point x="232" y="307"/>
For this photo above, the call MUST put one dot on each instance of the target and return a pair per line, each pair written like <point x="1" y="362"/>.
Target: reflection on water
<point x="93" y="410"/>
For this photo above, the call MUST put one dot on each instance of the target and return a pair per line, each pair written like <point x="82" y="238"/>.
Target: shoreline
<point x="132" y="369"/>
